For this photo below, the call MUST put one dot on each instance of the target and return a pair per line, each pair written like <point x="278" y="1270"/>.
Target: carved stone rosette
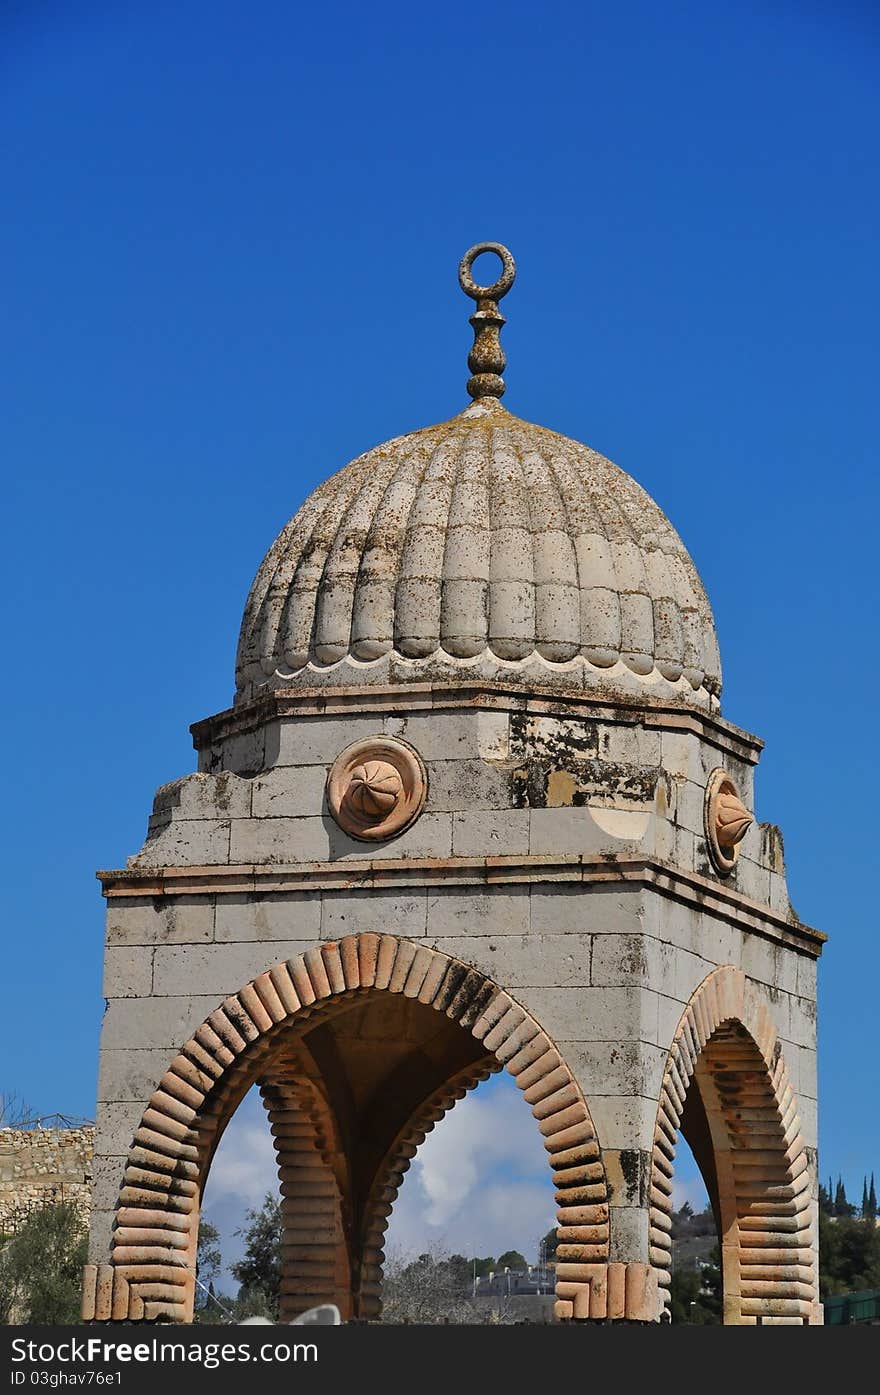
<point x="376" y="788"/>
<point x="727" y="820"/>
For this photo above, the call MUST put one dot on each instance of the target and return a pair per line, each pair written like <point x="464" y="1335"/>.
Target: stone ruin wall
<point x="39" y="1166"/>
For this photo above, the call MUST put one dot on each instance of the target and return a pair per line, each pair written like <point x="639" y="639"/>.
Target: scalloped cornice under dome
<point x="482" y="549"/>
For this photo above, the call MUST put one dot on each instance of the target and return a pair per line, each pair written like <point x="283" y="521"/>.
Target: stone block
<point x="133" y="920"/>
<point x="553" y="742"/>
<point x="758" y="958"/>
<point x="401" y="913"/>
<point x="624" y="1122"/>
<point x="690" y="799"/>
<point x="629" y="745"/>
<point x="430" y="836"/>
<point x="615" y="1067"/>
<point x="100" y="1232"/>
<point x="751" y="880"/>
<point x="243" y="754"/>
<point x="218" y="969"/>
<point x="292" y="916"/>
<point x="594" y="1014"/>
<point x="489" y="833"/>
<point x="202" y="796"/>
<point x="187" y="843"/>
<point x="806" y="976"/>
<point x="131" y="1075"/>
<point x="628" y="1241"/>
<point x="806" y="1069"/>
<point x="128" y="971"/>
<point x="779" y="901"/>
<point x="116" y="1122"/>
<point x="808" y="1111"/>
<point x="688" y="973"/>
<point x="599" y="908"/>
<point x="568" y="830"/>
<point x="801" y="1021"/>
<point x="621" y="960"/>
<point x="515" y="961"/>
<point x="685" y="849"/>
<point x="669" y="1014"/>
<point x="154" y="1022"/>
<point x="159" y="920"/>
<point x="290" y="792"/>
<point x="464" y="785"/>
<point x="317" y="740"/>
<point x="279" y="840"/>
<point x="627" y="1173"/>
<point x="496" y="910"/>
<point x="456" y="735"/>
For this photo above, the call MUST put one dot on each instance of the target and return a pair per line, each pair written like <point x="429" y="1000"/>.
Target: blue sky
<point x="229" y="245"/>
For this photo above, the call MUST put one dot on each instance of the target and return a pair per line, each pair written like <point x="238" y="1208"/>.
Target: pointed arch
<point x="151" y="1269"/>
<point x="727" y="1049"/>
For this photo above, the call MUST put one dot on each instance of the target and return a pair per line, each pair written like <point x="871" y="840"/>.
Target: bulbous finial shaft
<point x="486" y="359"/>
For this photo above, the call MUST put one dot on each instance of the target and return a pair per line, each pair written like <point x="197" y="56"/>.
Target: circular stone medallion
<point x="376" y="788"/>
<point x="726" y="820"/>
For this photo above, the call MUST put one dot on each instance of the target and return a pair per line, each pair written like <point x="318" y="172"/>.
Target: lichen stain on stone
<point x="561" y="789"/>
<point x="629" y="1167"/>
<point x="538" y="783"/>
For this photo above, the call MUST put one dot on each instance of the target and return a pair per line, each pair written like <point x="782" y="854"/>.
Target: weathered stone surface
<point x="615" y="1067"/>
<point x="293" y="916"/>
<point x="594" y="1014"/>
<point x="621" y="960"/>
<point x="490" y="833"/>
<point x="628" y="1171"/>
<point x="166" y="1021"/>
<point x="289" y="792"/>
<point x="525" y="960"/>
<point x="187" y="843"/>
<point x="465" y="785"/>
<point x="379" y="913"/>
<point x="39" y="1166"/>
<point x="151" y="920"/>
<point x="624" y="1121"/>
<point x="500" y="910"/>
<point x="218" y="969"/>
<point x="116" y="1124"/>
<point x="629" y="1234"/>
<point x="128" y="972"/>
<point x="560" y="908"/>
<point x="316" y="740"/>
<point x="130" y="1074"/>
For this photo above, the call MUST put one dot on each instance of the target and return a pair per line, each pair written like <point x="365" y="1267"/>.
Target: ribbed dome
<point x="484" y="548"/>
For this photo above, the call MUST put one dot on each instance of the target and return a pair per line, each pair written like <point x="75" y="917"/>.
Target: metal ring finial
<point x="486" y="359"/>
<point x="505" y="280"/>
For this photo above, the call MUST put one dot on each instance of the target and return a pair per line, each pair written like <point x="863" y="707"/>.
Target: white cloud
<point x="480" y="1183"/>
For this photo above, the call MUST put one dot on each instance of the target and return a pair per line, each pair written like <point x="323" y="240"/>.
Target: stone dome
<point x="482" y="550"/>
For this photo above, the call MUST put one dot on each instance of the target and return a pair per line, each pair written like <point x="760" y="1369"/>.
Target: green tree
<point x="259" y="1270"/>
<point x="512" y="1259"/>
<point x="695" y="1294"/>
<point x="841" y="1206"/>
<point x="550" y="1242"/>
<point x="208" y="1264"/>
<point x="872" y="1201"/>
<point x="41" y="1267"/>
<point x="849" y="1255"/>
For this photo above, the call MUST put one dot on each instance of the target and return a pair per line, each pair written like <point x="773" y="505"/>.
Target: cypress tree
<point x="872" y="1201"/>
<point x="865" y="1203"/>
<point x="841" y="1205"/>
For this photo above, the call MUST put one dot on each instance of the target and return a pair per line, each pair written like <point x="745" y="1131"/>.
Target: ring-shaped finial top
<point x="505" y="280"/>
